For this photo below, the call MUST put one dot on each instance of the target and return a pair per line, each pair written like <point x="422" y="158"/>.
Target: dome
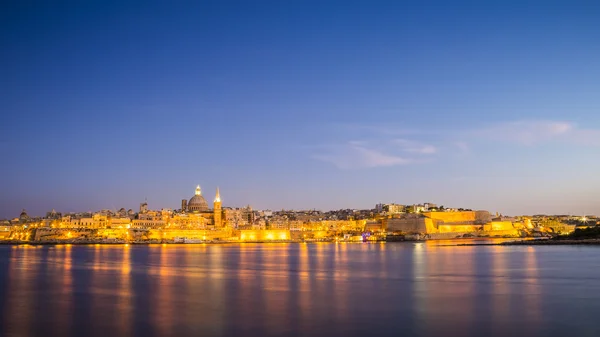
<point x="197" y="203"/>
<point x="24" y="217"/>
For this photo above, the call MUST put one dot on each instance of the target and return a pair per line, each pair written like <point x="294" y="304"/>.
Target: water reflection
<point x="531" y="291"/>
<point x="63" y="281"/>
<point x="501" y="287"/>
<point x="19" y="302"/>
<point x="124" y="300"/>
<point x="162" y="304"/>
<point x="421" y="289"/>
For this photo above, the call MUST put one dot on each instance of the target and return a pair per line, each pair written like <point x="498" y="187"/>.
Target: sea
<point x="433" y="288"/>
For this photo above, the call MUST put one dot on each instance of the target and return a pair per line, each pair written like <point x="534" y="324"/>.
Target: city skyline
<point x="306" y="105"/>
<point x="198" y="191"/>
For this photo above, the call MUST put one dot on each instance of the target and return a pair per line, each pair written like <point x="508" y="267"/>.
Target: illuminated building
<point x="119" y="222"/>
<point x="197" y="203"/>
<point x="217" y="210"/>
<point x="23" y="217"/>
<point x="143" y="207"/>
<point x="449" y="224"/>
<point x="195" y="213"/>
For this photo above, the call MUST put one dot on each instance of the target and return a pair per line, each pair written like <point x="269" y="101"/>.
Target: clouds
<point x="354" y="155"/>
<point x="414" y="147"/>
<point x="527" y="133"/>
<point x="538" y="133"/>
<point x="383" y="146"/>
<point x="375" y="153"/>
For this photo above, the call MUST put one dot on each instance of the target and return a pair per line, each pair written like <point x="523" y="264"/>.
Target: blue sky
<point x="301" y="104"/>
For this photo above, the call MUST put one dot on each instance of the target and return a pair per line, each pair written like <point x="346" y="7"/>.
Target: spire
<point x="198" y="190"/>
<point x="218" y="196"/>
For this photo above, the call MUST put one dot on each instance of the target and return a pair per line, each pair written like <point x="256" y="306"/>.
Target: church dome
<point x="197" y="203"/>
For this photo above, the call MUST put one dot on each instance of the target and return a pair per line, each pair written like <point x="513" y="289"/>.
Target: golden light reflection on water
<point x="215" y="280"/>
<point x="162" y="305"/>
<point x="280" y="288"/>
<point x="304" y="283"/>
<point x="110" y="285"/>
<point x="20" y="301"/>
<point x="339" y="282"/>
<point x="450" y="286"/>
<point x="124" y="301"/>
<point x="64" y="282"/>
<point x="500" y="285"/>
<point x="532" y="292"/>
<point x="275" y="283"/>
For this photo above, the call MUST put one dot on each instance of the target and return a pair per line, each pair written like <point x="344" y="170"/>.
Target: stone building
<point x="195" y="213"/>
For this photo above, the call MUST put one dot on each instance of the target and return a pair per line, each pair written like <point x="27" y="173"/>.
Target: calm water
<point x="393" y="289"/>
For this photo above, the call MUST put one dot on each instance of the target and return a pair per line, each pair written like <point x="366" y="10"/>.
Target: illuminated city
<point x="196" y="222"/>
<point x="301" y="168"/>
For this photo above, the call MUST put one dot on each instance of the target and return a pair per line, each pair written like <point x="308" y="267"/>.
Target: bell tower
<point x="217" y="210"/>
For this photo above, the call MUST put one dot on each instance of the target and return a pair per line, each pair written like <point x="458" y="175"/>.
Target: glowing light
<point x="218" y="196"/>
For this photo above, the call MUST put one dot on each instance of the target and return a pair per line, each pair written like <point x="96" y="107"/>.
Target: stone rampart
<point x="406" y="225"/>
<point x="499" y="226"/>
<point x="264" y="235"/>
<point x="194" y="234"/>
<point x="466" y="217"/>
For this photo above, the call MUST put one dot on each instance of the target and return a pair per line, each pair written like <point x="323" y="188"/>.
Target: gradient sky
<point x="300" y="104"/>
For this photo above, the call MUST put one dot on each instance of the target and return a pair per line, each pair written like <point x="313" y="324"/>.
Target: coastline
<point x="475" y="241"/>
<point x="86" y="243"/>
<point x="539" y="242"/>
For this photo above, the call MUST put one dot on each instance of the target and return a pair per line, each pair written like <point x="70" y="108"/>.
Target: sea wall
<point x="264" y="235"/>
<point x="485" y="234"/>
<point x="54" y="234"/>
<point x="412" y="224"/>
<point x="466" y="217"/>
<point x="499" y="226"/>
<point x="448" y="224"/>
<point x="175" y="234"/>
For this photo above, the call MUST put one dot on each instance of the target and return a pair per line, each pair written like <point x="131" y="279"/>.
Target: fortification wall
<point x="455" y="235"/>
<point x="57" y="234"/>
<point x="117" y="233"/>
<point x="459" y="228"/>
<point x="264" y="235"/>
<point x="449" y="217"/>
<point x="499" y="226"/>
<point x="407" y="225"/>
<point x="194" y="234"/>
<point x="52" y="234"/>
<point x="466" y="217"/>
<point x="454" y="223"/>
<point x="483" y="217"/>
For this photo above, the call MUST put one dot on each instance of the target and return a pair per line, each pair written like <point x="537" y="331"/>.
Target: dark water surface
<point x="393" y="289"/>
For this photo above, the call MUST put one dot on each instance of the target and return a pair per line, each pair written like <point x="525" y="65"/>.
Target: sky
<point x="324" y="105"/>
